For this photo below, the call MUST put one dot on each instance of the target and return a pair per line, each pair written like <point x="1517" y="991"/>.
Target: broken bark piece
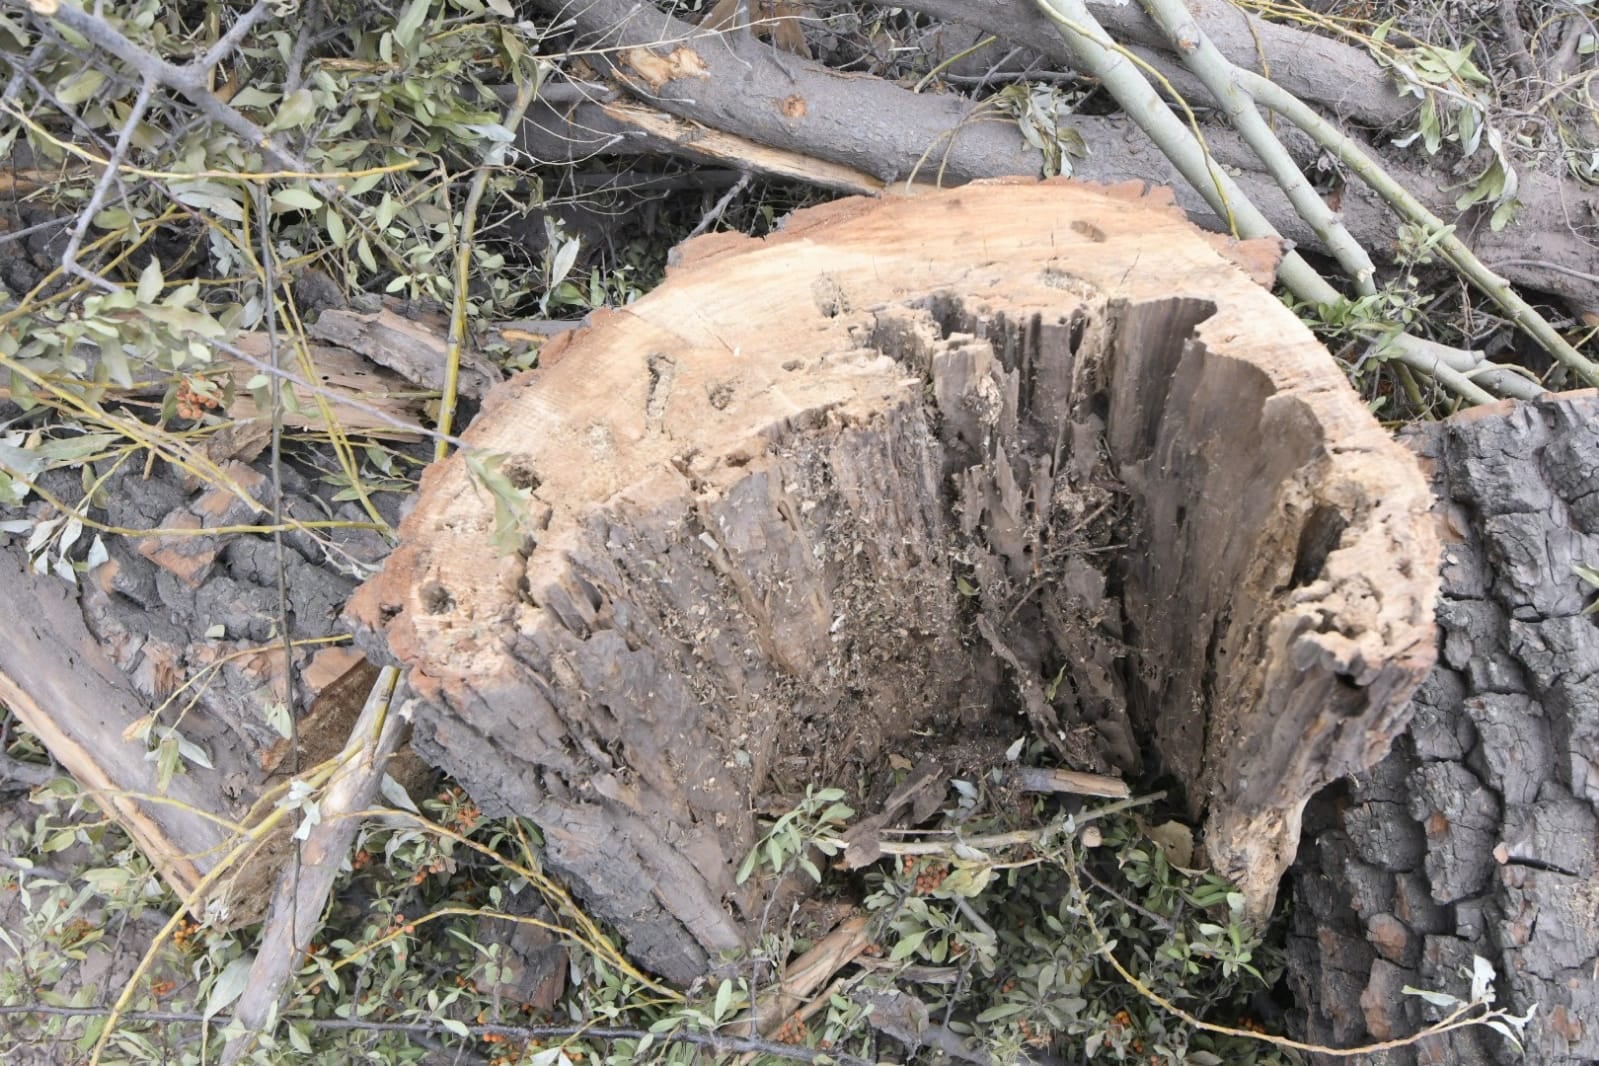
<point x="806" y="974"/>
<point x="340" y="372"/>
<point x="922" y="793"/>
<point x="415" y="350"/>
<point x="1040" y="779"/>
<point x="770" y="506"/>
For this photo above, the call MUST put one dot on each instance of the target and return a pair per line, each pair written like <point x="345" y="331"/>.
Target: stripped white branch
<point x="1095" y="53"/>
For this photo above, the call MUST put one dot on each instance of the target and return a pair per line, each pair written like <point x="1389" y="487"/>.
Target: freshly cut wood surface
<point x="910" y="477"/>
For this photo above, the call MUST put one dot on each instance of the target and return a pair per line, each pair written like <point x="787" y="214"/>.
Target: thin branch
<point x="525" y="93"/>
<point x="190" y="80"/>
<point x="1459" y="255"/>
<point x="1096" y="53"/>
<point x="721" y="205"/>
<point x="1218" y="74"/>
<point x="303" y="888"/>
<point x="108" y="177"/>
<point x="1457" y="1019"/>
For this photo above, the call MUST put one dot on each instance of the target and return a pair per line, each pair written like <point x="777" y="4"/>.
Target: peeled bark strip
<point x="906" y="473"/>
<point x="1479" y="834"/>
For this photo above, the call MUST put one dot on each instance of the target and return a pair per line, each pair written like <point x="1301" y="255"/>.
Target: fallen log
<point x="909" y="474"/>
<point x="159" y="677"/>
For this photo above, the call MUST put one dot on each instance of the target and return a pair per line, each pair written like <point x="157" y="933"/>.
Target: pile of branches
<point x="1440" y="220"/>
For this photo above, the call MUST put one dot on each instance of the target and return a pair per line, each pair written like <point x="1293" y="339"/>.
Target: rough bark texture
<point x="878" y="484"/>
<point x="735" y="85"/>
<point x="177" y="629"/>
<point x="1478" y="833"/>
<point x="50" y="660"/>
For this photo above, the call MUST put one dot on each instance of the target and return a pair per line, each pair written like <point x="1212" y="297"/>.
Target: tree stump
<point x="907" y="479"/>
<point x="1479" y="833"/>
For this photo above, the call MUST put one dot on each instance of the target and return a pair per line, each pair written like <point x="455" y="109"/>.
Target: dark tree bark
<point x="1478" y="834"/>
<point x="178" y="630"/>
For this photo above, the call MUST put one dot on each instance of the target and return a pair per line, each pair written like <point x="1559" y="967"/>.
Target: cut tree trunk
<point x="907" y="479"/>
<point x="1479" y="833"/>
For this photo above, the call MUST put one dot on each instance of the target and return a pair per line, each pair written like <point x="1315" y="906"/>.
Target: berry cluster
<point x="928" y="879"/>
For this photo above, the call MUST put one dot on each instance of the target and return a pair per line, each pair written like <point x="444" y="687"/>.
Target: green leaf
<point x="180" y="319"/>
<point x="80" y="86"/>
<point x="166" y="762"/>
<point x="298" y="109"/>
<point x="60" y="840"/>
<point x="115" y="361"/>
<point x="1504" y="1030"/>
<point x="724" y="999"/>
<point x="194" y="753"/>
<point x="999" y="1011"/>
<point x="113" y="218"/>
<point x="838" y="813"/>
<point x="150" y="282"/>
<point x="230" y="984"/>
<point x="364" y="184"/>
<point x="968" y="881"/>
<point x="908" y="946"/>
<point x="410" y="21"/>
<point x="296" y="198"/>
<point x="251" y="97"/>
<point x="219" y="199"/>
<point x="336" y="231"/>
<point x="456" y="1026"/>
<point x="1503" y="214"/>
<point x="564" y="259"/>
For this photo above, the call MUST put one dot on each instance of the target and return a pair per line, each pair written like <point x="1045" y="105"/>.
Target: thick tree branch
<point x="1343" y="79"/>
<point x="746" y="89"/>
<point x="303" y="887"/>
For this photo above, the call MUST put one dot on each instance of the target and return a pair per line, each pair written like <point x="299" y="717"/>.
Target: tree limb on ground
<point x="739" y="86"/>
<point x="1342" y="79"/>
